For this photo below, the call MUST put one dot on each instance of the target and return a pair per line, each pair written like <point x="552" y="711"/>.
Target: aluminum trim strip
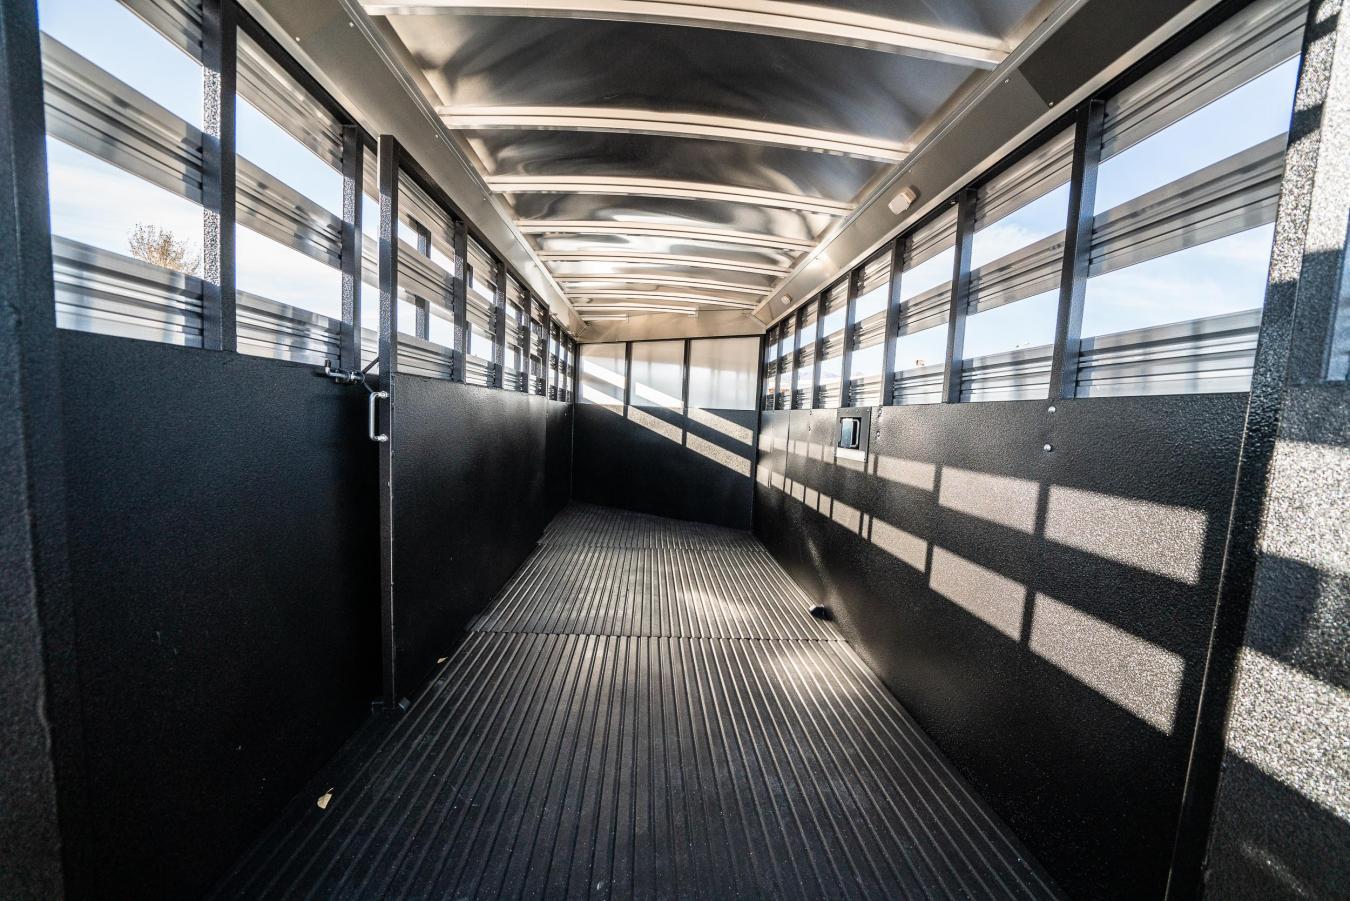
<point x="672" y="124"/>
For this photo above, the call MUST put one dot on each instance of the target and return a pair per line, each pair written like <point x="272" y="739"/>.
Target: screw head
<point x="1048" y="448"/>
<point x="1052" y="409"/>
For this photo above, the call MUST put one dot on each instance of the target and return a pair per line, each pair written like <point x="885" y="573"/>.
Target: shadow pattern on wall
<point x="1037" y="588"/>
<point x="660" y="460"/>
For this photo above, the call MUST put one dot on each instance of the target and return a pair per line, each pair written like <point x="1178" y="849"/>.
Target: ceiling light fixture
<point x="903" y="200"/>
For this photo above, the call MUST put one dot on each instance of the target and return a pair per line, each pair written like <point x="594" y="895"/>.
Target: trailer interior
<point x="638" y="449"/>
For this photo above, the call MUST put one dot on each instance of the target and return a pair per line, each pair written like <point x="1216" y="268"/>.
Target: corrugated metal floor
<point x="647" y="711"/>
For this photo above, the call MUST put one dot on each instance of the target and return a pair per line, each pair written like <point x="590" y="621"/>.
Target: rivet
<point x="1052" y="409"/>
<point x="1048" y="448"/>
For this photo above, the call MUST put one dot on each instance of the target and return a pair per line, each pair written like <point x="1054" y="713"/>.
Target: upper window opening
<point x="121" y="43"/>
<point x="98" y="204"/>
<point x="1024" y="226"/>
<point x="277" y="272"/>
<point x="272" y="149"/>
<point x="1213" y="279"/>
<point x="934" y="271"/>
<point x="1242" y="118"/>
<point x="1016" y="326"/>
<point x="919" y="350"/>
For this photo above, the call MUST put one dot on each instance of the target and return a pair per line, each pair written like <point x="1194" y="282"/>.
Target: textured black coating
<point x="1088" y="774"/>
<point x="221" y="512"/>
<point x="1278" y="825"/>
<point x="1280" y="828"/>
<point x="471" y="499"/>
<point x="40" y="783"/>
<point x="659" y="461"/>
<point x="610" y="762"/>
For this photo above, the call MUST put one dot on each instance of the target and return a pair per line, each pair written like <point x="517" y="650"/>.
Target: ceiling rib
<point x="799" y="21"/>
<point x="674" y="125"/>
<point x="637" y="296"/>
<point x="661" y="259"/>
<point x="628" y="309"/>
<point x="670" y="231"/>
<point x="577" y="281"/>
<point x="623" y="186"/>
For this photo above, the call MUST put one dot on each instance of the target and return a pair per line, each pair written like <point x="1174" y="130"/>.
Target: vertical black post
<point x="764" y="342"/>
<point x="572" y="376"/>
<point x="892" y="323"/>
<point x="796" y="357"/>
<point x="777" y="336"/>
<point x="564" y="382"/>
<point x="819" y="343"/>
<point x="780" y="365"/>
<point x="421" y="306"/>
<point x="220" y="39"/>
<point x="557" y="368"/>
<point x="956" y="311"/>
<point x="627" y="374"/>
<point x="550" y="359"/>
<point x="760" y="387"/>
<point x="41" y="749"/>
<point x="459" y="301"/>
<point x="850" y="322"/>
<point x="522" y="327"/>
<point x="1087" y="154"/>
<point x="543" y="353"/>
<point x="353" y="176"/>
<point x="422" y="322"/>
<point x="564" y="376"/>
<point x="684" y="387"/>
<point x="389" y="249"/>
<point x="499" y="327"/>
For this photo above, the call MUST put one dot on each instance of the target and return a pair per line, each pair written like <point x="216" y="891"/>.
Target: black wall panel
<point x="222" y="542"/>
<point x="558" y="464"/>
<point x="1043" y="613"/>
<point x="1276" y="830"/>
<point x="471" y="497"/>
<point x="659" y="461"/>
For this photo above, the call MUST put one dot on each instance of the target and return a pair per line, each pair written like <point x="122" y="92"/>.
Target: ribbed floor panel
<point x="627" y="764"/>
<point x="586" y="524"/>
<point x="694" y="592"/>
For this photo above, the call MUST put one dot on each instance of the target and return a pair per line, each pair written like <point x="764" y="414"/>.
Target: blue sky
<point x="98" y="204"/>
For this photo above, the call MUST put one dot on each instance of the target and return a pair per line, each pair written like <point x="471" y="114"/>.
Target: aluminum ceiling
<point x="683" y="155"/>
